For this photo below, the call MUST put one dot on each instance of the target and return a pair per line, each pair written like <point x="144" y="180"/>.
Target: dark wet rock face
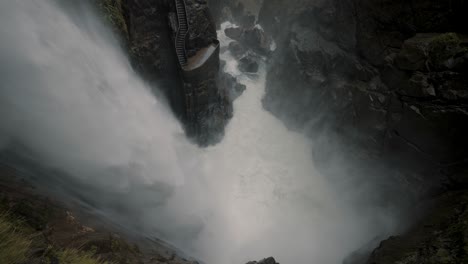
<point x="253" y="38"/>
<point x="248" y="64"/>
<point x="257" y="40"/>
<point x="194" y="93"/>
<point x="237" y="49"/>
<point x="269" y="260"/>
<point x="234" y="88"/>
<point x="234" y="32"/>
<point x="202" y="27"/>
<point x="385" y="79"/>
<point x="440" y="238"/>
<point x="373" y="73"/>
<point x="150" y="45"/>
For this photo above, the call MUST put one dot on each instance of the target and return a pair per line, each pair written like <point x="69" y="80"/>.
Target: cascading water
<point x="70" y="96"/>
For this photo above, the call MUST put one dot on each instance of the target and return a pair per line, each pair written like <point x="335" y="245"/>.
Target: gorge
<point x="228" y="131"/>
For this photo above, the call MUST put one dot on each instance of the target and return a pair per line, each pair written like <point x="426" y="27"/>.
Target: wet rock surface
<point x="202" y="31"/>
<point x="248" y="64"/>
<point x="237" y="50"/>
<point x="150" y="46"/>
<point x="234" y="32"/>
<point x="269" y="260"/>
<point x="231" y="84"/>
<point x="388" y="80"/>
<point x="403" y="99"/>
<point x="253" y="38"/>
<point x="440" y="238"/>
<point x="194" y="96"/>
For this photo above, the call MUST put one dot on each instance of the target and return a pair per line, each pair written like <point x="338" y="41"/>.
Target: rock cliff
<point x="197" y="98"/>
<point x="387" y="79"/>
<point x="376" y="70"/>
<point x="440" y="238"/>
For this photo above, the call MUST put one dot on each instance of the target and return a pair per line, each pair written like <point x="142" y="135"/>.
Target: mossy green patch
<point x="18" y="241"/>
<point x="14" y="245"/>
<point x="443" y="47"/>
<point x="113" y="12"/>
<point x="73" y="256"/>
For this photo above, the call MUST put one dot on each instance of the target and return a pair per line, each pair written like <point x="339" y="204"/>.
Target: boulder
<point x="431" y="51"/>
<point x="248" y="64"/>
<point x="237" y="50"/>
<point x="413" y="55"/>
<point x="269" y="260"/>
<point x="254" y="38"/>
<point x="370" y="71"/>
<point x="440" y="238"/>
<point x="234" y="32"/>
<point x="230" y="84"/>
<point x="257" y="40"/>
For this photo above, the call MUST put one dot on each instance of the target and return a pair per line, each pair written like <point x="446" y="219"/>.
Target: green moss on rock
<point x="113" y="13"/>
<point x="443" y="47"/>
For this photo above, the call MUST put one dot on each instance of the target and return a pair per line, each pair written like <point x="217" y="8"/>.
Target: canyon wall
<point x="390" y="75"/>
<point x="151" y="28"/>
<point x="387" y="79"/>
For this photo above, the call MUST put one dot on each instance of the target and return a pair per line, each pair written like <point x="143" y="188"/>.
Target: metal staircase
<point x="181" y="32"/>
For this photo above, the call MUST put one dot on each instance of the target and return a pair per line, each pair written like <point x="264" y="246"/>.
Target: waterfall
<point x="69" y="95"/>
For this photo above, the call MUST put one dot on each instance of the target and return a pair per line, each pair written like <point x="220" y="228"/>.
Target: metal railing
<point x="182" y="31"/>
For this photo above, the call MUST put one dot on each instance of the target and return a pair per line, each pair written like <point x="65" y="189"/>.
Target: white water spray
<point x="69" y="95"/>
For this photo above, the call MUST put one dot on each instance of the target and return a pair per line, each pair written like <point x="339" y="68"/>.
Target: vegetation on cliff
<point x="14" y="245"/>
<point x="113" y="13"/>
<point x="19" y="243"/>
<point x="444" y="47"/>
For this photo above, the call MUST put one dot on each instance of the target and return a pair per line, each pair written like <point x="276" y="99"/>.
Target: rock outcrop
<point x="233" y="87"/>
<point x="152" y="50"/>
<point x="194" y="92"/>
<point x="252" y="38"/>
<point x="386" y="79"/>
<point x="372" y="72"/>
<point x="241" y="12"/>
<point x="248" y="64"/>
<point x="440" y="238"/>
<point x="269" y="260"/>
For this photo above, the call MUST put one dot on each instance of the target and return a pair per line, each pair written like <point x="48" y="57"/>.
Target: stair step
<point x="182" y="32"/>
